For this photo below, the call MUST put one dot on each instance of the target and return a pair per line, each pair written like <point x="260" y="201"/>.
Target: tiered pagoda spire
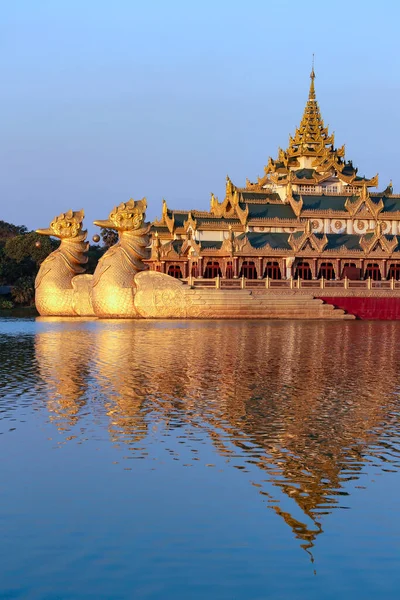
<point x="311" y="157"/>
<point x="311" y="136"/>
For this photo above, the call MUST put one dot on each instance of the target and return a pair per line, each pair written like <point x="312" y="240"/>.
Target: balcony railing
<point x="317" y="190"/>
<point x="313" y="284"/>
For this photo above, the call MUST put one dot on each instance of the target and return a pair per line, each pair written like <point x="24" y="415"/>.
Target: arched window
<point x="195" y="270"/>
<point x="212" y="270"/>
<point x="272" y="270"/>
<point x="248" y="270"/>
<point x="303" y="271"/>
<point x="394" y="271"/>
<point x="326" y="271"/>
<point x="175" y="271"/>
<point x="373" y="272"/>
<point x="229" y="270"/>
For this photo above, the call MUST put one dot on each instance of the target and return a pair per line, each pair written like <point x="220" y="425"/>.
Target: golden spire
<point x="311" y="133"/>
<point x="311" y="95"/>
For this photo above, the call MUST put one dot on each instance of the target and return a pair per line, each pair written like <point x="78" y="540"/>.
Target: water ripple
<point x="302" y="410"/>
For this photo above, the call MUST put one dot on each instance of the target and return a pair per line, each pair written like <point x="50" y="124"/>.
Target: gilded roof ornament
<point x="388" y="191"/>
<point x="164" y="208"/>
<point x="311" y="94"/>
<point x="214" y="204"/>
<point x="230" y="188"/>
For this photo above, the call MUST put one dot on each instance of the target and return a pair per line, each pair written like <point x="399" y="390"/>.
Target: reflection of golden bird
<point x="123" y="384"/>
<point x="62" y="355"/>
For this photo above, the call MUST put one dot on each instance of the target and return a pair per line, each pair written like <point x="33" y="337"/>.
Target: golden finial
<point x="229" y="186"/>
<point x="364" y="193"/>
<point x="164" y="208"/>
<point x="311" y="95"/>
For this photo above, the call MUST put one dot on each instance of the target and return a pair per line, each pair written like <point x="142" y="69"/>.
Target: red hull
<point x="380" y="309"/>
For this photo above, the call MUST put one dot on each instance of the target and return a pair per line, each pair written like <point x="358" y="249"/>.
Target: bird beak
<point x="106" y="224"/>
<point x="45" y="232"/>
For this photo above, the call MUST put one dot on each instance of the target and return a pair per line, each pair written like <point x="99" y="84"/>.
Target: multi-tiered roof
<point x="307" y="185"/>
<point x="311" y="156"/>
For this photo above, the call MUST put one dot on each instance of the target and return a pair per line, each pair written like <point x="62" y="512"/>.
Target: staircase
<point x="246" y="304"/>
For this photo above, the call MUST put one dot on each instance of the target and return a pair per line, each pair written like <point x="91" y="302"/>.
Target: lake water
<point x="193" y="459"/>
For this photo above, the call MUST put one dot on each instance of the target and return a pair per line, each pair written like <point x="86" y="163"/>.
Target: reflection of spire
<point x="272" y="405"/>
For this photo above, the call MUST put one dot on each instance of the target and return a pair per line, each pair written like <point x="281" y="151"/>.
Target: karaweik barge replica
<point x="308" y="240"/>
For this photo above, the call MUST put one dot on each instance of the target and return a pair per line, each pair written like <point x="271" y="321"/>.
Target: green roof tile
<point x="275" y="240"/>
<point x="322" y="202"/>
<point x="269" y="211"/>
<point x="249" y="196"/>
<point x="210" y="245"/>
<point x="351" y="242"/>
<point x="305" y="173"/>
<point x="390" y="204"/>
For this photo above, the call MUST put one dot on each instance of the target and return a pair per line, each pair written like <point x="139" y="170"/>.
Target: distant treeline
<point x="21" y="254"/>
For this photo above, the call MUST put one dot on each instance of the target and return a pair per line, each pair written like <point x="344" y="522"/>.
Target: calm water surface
<point x="199" y="459"/>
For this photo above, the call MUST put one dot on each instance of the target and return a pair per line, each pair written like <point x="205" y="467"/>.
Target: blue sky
<point x="102" y="101"/>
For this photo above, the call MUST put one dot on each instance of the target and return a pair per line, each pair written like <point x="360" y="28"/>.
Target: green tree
<point x="94" y="254"/>
<point x="21" y="254"/>
<point x="108" y="236"/>
<point x="8" y="230"/>
<point x="23" y="291"/>
<point x="31" y="246"/>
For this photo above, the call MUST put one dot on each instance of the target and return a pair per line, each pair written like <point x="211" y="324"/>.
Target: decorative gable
<point x="364" y="206"/>
<point x="230" y="207"/>
<point x="190" y="223"/>
<point x="243" y="245"/>
<point x="190" y="246"/>
<point x="307" y="240"/>
<point x="168" y="251"/>
<point x="378" y="242"/>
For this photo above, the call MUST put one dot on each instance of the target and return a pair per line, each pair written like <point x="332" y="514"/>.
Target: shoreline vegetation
<point x="21" y="312"/>
<point x="21" y="254"/>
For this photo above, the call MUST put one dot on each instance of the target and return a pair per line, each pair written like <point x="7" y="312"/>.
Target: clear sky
<point x="103" y="100"/>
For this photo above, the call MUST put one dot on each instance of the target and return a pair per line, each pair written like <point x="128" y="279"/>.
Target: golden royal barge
<point x="309" y="239"/>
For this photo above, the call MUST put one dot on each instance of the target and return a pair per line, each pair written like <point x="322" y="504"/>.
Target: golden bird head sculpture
<point x="66" y="226"/>
<point x="128" y="216"/>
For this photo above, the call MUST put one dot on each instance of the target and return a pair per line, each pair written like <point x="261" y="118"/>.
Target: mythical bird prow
<point x="61" y="288"/>
<point x="113" y="288"/>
